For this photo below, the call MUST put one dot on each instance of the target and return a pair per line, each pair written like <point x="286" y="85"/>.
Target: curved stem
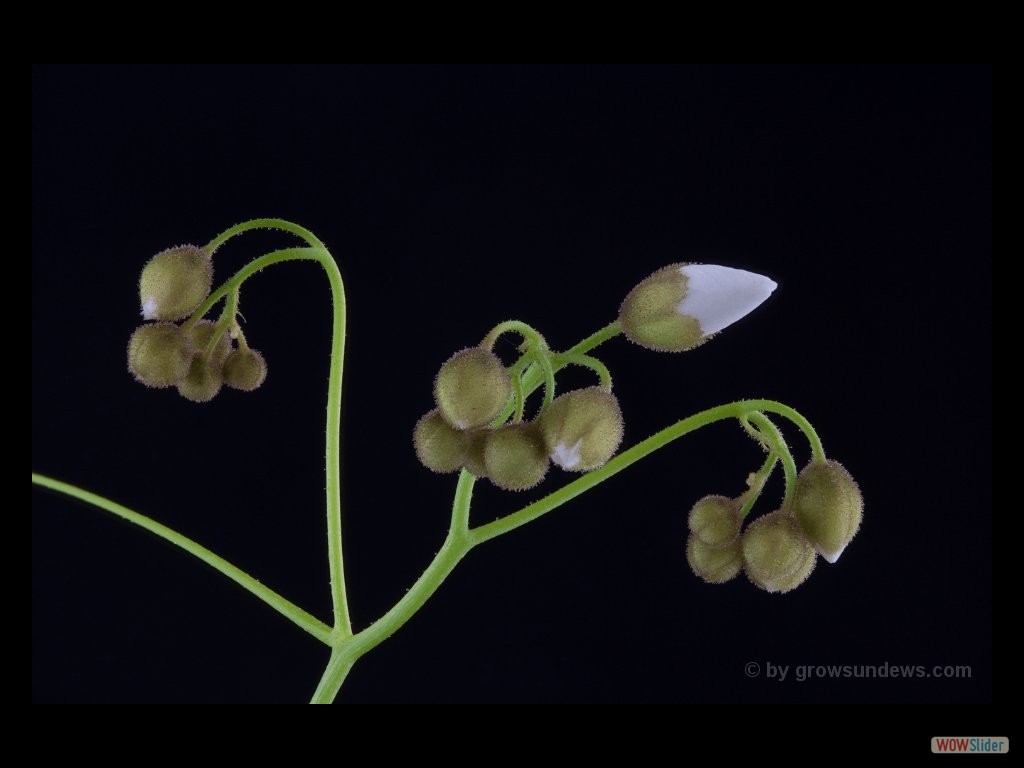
<point x="317" y="252"/>
<point x="757" y="485"/>
<point x="285" y="607"/>
<point x="339" y="600"/>
<point x="279" y="224"/>
<point x="778" y="446"/>
<point x="586" y="361"/>
<point x="530" y="334"/>
<point x="626" y="458"/>
<point x="543" y="358"/>
<point x="533" y="376"/>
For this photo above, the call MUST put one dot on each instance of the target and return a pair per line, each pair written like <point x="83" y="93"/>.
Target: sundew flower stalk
<point x="481" y="427"/>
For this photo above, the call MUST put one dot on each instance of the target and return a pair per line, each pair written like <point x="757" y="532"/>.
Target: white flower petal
<point x="718" y="296"/>
<point x="567" y="458"/>
<point x="833" y="556"/>
<point x="149" y="308"/>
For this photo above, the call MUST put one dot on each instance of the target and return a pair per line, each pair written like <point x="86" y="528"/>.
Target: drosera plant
<point x="479" y="429"/>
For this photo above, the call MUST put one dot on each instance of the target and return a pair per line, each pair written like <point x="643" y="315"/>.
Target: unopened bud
<point x="475" y="463"/>
<point x="159" y="354"/>
<point x="471" y="388"/>
<point x="829" y="507"/>
<point x="715" y="520"/>
<point x="439" y="447"/>
<point x="716" y="565"/>
<point x="680" y="306"/>
<point x="245" y="369"/>
<point x="514" y="456"/>
<point x="582" y="429"/>
<point x="203" y="380"/>
<point x="202" y="334"/>
<point x="175" y="282"/>
<point x="776" y="555"/>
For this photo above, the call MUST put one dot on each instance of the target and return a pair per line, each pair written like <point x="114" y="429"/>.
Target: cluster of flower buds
<point x="777" y="551"/>
<point x="578" y="431"/>
<point x="197" y="356"/>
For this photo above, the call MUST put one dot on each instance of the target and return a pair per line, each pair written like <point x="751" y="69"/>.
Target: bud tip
<point x="718" y="296"/>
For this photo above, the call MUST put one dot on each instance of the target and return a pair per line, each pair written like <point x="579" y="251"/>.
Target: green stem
<point x="279" y="224"/>
<point x="626" y="458"/>
<point x="534" y="376"/>
<point x="319" y="253"/>
<point x="586" y="361"/>
<point x="778" y="446"/>
<point x="760" y="478"/>
<point x="347" y="651"/>
<point x="285" y="607"/>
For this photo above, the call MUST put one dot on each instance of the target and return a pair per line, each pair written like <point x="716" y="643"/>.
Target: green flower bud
<point x="715" y="521"/>
<point x="716" y="565"/>
<point x="476" y="439"/>
<point x="682" y="305"/>
<point x="159" y="354"/>
<point x="202" y="333"/>
<point x="582" y="429"/>
<point x="203" y="381"/>
<point x="439" y="447"/>
<point x="471" y="388"/>
<point x="514" y="456"/>
<point x="245" y="369"/>
<point x="175" y="282"/>
<point x="776" y="555"/>
<point x="829" y="507"/>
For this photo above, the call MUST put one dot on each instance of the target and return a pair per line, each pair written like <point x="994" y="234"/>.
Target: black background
<point x="454" y="198"/>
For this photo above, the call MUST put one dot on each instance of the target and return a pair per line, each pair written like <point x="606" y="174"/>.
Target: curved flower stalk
<point x="482" y="427"/>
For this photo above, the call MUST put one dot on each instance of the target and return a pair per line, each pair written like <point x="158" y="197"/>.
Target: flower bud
<point x="828" y="506"/>
<point x="680" y="306"/>
<point x="776" y="555"/>
<point x="439" y="447"/>
<point x="202" y="333"/>
<point x="175" y="282"/>
<point x="203" y="380"/>
<point x="245" y="369"/>
<point x="514" y="456"/>
<point x="471" y="388"/>
<point x="476" y="439"/>
<point x="715" y="521"/>
<point x="716" y="565"/>
<point x="159" y="354"/>
<point x="582" y="429"/>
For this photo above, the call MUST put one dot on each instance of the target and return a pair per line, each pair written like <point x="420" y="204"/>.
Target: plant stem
<point x="319" y="253"/>
<point x="285" y="607"/>
<point x="456" y="544"/>
<point x="626" y="458"/>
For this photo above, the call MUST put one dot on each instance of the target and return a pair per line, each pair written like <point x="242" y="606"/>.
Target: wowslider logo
<point x="976" y="745"/>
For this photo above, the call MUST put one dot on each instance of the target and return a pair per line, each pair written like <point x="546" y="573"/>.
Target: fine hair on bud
<point x="471" y="388"/>
<point x="715" y="565"/>
<point x="439" y="446"/>
<point x="715" y="520"/>
<point x="245" y="370"/>
<point x="159" y="354"/>
<point x="582" y="429"/>
<point x="175" y="282"/>
<point x="829" y="507"/>
<point x="776" y="555"/>
<point x="515" y="457"/>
